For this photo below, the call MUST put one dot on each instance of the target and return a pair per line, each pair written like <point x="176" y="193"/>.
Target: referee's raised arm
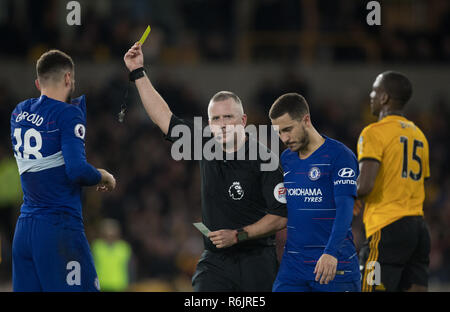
<point x="155" y="106"/>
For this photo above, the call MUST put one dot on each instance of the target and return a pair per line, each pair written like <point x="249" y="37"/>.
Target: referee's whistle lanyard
<point x="123" y="106"/>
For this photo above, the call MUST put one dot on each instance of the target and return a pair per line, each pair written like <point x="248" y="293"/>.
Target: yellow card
<point x="144" y="36"/>
<point x="202" y="228"/>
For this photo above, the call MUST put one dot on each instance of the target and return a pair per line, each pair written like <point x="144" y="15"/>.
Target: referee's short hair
<point x="292" y="103"/>
<point x="52" y="65"/>
<point x="397" y="86"/>
<point x="225" y="95"/>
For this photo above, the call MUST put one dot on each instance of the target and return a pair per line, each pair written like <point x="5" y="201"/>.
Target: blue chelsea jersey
<point x="48" y="142"/>
<point x="311" y="185"/>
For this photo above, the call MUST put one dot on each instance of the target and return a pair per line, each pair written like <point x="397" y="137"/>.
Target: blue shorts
<point x="51" y="253"/>
<point x="313" y="286"/>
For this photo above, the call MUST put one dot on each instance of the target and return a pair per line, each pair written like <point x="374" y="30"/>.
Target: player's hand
<point x="107" y="183"/>
<point x="358" y="207"/>
<point x="325" y="269"/>
<point x="223" y="238"/>
<point x="134" y="58"/>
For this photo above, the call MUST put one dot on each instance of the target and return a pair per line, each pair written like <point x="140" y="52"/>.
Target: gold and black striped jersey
<point x="402" y="150"/>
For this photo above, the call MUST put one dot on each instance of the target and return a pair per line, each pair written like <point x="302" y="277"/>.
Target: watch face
<point x="242" y="236"/>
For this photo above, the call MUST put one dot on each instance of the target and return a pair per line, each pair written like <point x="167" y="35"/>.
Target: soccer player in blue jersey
<point x="50" y="249"/>
<point x="320" y="186"/>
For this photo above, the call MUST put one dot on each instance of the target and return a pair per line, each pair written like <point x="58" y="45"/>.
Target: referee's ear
<point x="244" y="120"/>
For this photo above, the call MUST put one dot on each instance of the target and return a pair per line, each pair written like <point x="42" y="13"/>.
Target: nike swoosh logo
<point x="286" y="173"/>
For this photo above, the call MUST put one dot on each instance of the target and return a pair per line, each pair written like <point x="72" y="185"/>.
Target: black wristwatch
<point x="137" y="73"/>
<point x="241" y="235"/>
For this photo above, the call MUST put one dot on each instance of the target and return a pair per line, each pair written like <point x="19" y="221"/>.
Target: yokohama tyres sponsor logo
<point x="304" y="192"/>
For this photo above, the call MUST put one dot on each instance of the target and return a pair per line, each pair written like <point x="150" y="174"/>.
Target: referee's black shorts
<point x="251" y="270"/>
<point x="396" y="256"/>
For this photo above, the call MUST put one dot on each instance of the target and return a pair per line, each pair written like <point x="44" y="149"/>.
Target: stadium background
<point x="256" y="48"/>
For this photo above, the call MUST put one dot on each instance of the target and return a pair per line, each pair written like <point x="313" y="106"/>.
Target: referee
<point x="239" y="202"/>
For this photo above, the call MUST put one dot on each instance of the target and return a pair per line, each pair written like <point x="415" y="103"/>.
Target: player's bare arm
<point x="267" y="225"/>
<point x="155" y="106"/>
<point x="368" y="173"/>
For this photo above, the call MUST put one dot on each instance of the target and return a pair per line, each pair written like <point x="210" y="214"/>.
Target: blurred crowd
<point x="157" y="198"/>
<point x="232" y="30"/>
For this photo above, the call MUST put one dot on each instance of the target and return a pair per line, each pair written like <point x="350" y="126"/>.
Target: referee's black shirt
<point x="235" y="193"/>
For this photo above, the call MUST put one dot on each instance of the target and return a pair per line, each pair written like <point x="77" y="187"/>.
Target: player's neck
<point x="389" y="112"/>
<point x="54" y="94"/>
<point x="315" y="141"/>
